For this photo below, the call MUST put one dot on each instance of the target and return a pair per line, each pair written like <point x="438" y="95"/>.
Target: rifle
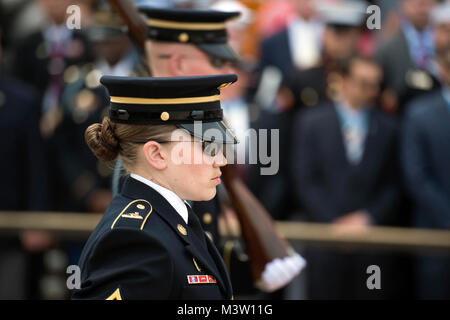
<point x="262" y="242"/>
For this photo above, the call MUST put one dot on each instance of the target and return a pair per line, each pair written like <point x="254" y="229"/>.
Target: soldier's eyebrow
<point x="164" y="56"/>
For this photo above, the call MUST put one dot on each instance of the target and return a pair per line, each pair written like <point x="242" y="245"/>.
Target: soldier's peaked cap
<point x="180" y="101"/>
<point x="206" y="29"/>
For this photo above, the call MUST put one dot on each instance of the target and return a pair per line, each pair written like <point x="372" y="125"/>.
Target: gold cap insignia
<point x="140" y="206"/>
<point x="182" y="230"/>
<point x="165" y="116"/>
<point x="183" y="37"/>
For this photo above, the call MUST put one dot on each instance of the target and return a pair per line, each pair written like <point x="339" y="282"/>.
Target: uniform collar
<point x="174" y="200"/>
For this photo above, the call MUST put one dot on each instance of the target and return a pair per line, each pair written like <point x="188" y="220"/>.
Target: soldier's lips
<point x="217" y="178"/>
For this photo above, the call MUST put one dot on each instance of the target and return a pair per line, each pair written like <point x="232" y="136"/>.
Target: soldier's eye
<point x="211" y="148"/>
<point x="217" y="62"/>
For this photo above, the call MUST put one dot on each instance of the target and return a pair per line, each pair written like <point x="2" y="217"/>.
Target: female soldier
<point x="149" y="243"/>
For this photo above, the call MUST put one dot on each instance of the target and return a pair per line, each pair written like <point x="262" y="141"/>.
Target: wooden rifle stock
<point x="262" y="242"/>
<point x="137" y="27"/>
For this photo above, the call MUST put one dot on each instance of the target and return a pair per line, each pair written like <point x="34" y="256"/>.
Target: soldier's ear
<point x="155" y="155"/>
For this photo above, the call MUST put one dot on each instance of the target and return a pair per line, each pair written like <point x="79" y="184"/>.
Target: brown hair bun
<point x="102" y="140"/>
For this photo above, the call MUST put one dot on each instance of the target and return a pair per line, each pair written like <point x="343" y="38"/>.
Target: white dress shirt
<point x="354" y="125"/>
<point x="305" y="42"/>
<point x="174" y="200"/>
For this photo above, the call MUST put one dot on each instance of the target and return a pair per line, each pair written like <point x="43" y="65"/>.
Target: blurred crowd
<point x="361" y="100"/>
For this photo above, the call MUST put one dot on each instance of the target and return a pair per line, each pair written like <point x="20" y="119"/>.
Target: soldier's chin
<point x="206" y="195"/>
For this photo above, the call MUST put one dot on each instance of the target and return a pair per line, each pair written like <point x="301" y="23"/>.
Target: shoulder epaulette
<point x="135" y="214"/>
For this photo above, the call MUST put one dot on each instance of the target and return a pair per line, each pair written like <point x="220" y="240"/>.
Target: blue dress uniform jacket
<point x="143" y="249"/>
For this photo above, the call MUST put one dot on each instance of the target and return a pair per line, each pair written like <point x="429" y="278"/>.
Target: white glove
<point x="280" y="272"/>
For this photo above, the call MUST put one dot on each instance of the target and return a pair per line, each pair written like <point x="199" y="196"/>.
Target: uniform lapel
<point x="371" y="142"/>
<point x="336" y="138"/>
<point x="209" y="264"/>
<point x="133" y="188"/>
<point x="220" y="266"/>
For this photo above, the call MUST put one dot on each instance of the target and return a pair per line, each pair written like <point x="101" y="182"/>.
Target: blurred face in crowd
<point x="112" y="50"/>
<point x="176" y="60"/>
<point x="340" y="42"/>
<point x="361" y="85"/>
<point x="55" y="9"/>
<point x="305" y="8"/>
<point x="418" y="12"/>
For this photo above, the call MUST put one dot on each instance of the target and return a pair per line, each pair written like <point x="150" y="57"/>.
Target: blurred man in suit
<point x="84" y="101"/>
<point x="407" y="57"/>
<point x="343" y="165"/>
<point x="297" y="46"/>
<point x="306" y="88"/>
<point x="426" y="164"/>
<point x="23" y="185"/>
<point x="41" y="59"/>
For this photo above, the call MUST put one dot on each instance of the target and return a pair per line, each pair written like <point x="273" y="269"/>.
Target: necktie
<point x="354" y="144"/>
<point x="422" y="59"/>
<point x="194" y="224"/>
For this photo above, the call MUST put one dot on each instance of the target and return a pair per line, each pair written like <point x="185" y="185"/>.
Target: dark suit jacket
<point x="276" y="51"/>
<point x="23" y="185"/>
<point x="154" y="255"/>
<point x="31" y="61"/>
<point x="426" y="159"/>
<point x="327" y="184"/>
<point x="396" y="61"/>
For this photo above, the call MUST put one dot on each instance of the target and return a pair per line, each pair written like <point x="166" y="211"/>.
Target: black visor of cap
<point x="187" y="15"/>
<point x="222" y="51"/>
<point x="211" y="131"/>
